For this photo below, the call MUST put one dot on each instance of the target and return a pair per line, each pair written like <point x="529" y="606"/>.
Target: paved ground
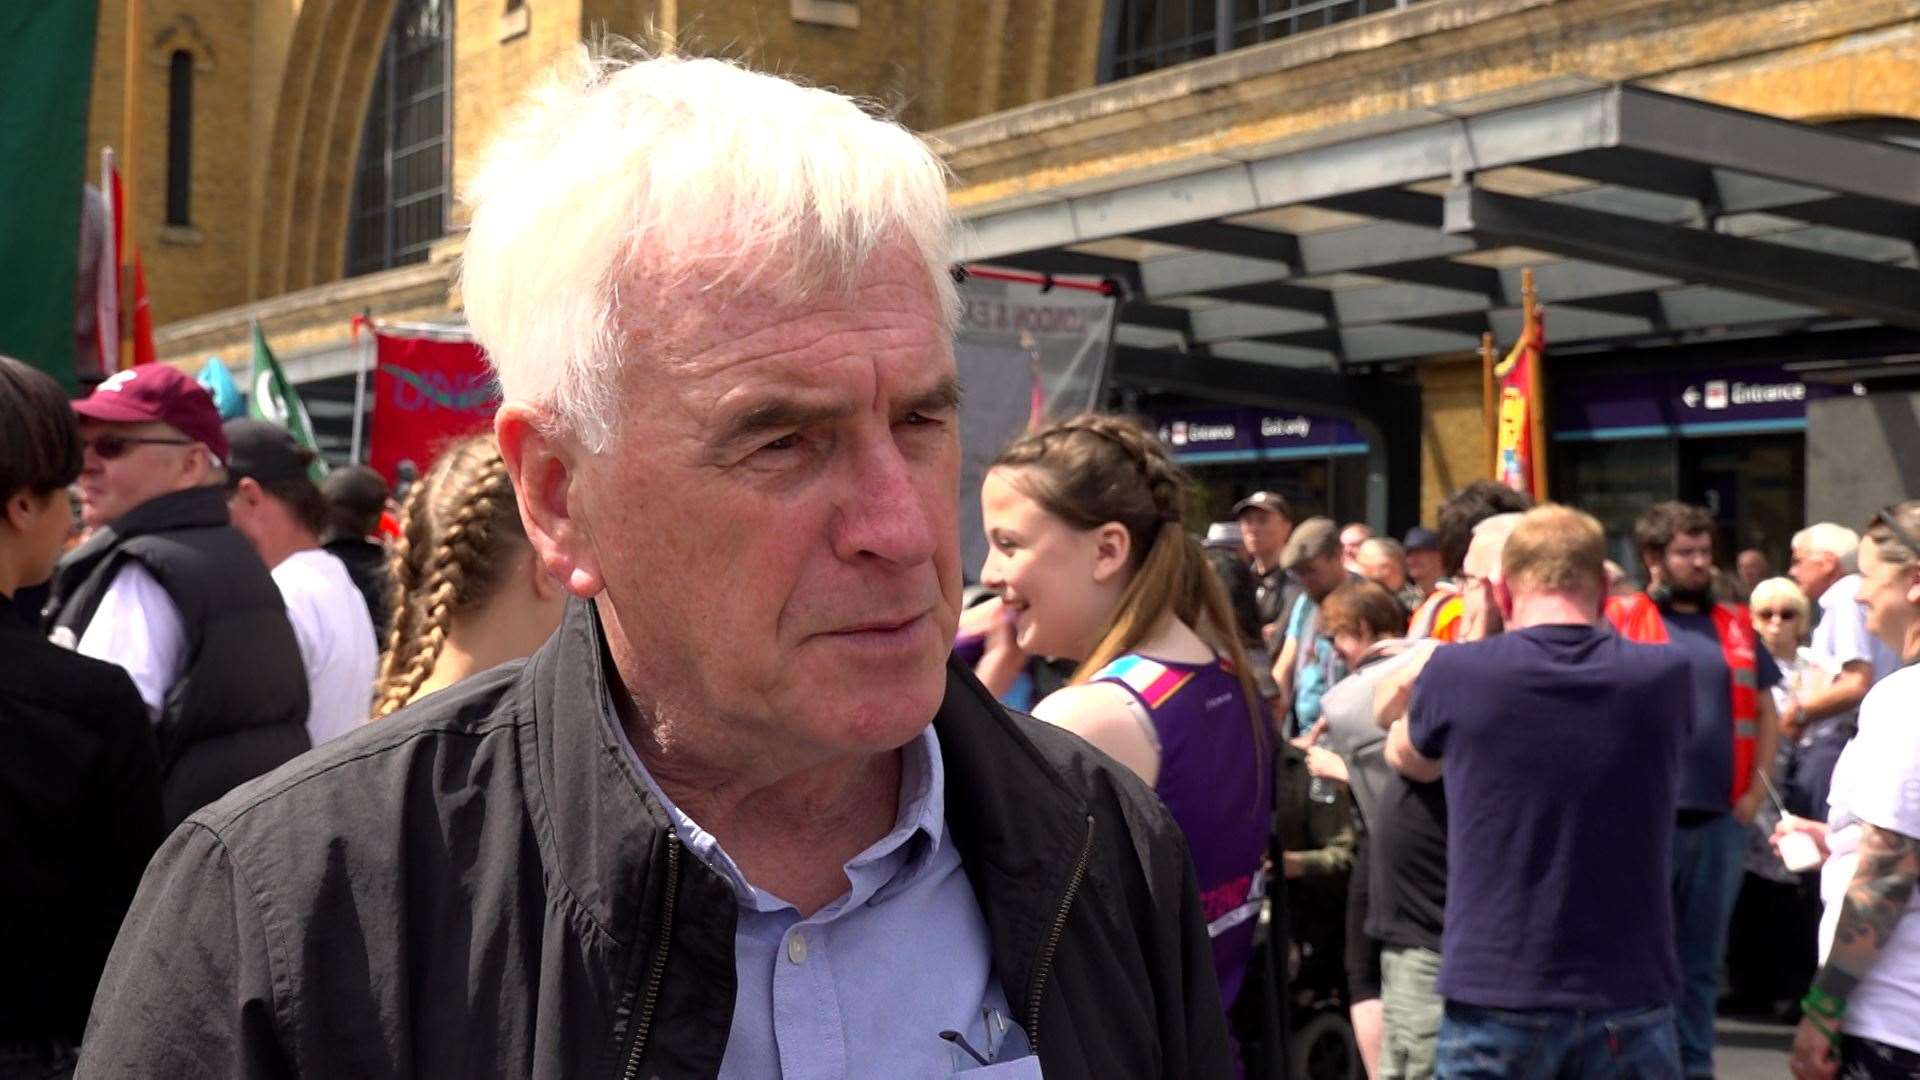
<point x="1750" y="1051"/>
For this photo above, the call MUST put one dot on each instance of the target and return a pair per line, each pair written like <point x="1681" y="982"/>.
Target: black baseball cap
<point x="266" y="452"/>
<point x="1264" y="500"/>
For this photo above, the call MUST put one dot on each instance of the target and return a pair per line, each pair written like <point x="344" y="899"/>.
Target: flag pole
<point x="360" y="382"/>
<point x="1489" y="419"/>
<point x="129" y="180"/>
<point x="1536" y="399"/>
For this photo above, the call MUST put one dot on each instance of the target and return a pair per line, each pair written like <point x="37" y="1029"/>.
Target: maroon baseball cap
<point x="157" y="393"/>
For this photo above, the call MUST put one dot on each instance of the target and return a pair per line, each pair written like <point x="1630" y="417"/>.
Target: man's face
<point x="141" y="470"/>
<point x="1480" y="613"/>
<point x="1814" y="571"/>
<point x="1752" y="567"/>
<point x="1379" y="565"/>
<point x="1321" y="575"/>
<point x="775" y="525"/>
<point x="1687" y="563"/>
<point x="1423" y="566"/>
<point x="1351" y="538"/>
<point x="1264" y="533"/>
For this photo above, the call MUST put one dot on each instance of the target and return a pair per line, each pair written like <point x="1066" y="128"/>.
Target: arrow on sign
<point x="1691" y="397"/>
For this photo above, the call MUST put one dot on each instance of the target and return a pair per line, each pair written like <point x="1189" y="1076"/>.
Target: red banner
<point x="427" y="392"/>
<point x="1517" y="461"/>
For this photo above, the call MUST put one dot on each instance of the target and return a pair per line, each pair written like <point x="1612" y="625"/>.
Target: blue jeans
<point x="1707" y="862"/>
<point x="1478" y="1042"/>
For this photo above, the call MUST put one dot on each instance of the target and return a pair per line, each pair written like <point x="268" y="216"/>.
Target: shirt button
<point x="797" y="948"/>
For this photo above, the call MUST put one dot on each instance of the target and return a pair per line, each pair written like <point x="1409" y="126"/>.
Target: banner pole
<point x="129" y="184"/>
<point x="360" y="383"/>
<point x="1489" y="419"/>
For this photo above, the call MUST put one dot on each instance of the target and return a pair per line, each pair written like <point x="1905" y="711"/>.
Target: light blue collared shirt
<point x="865" y="985"/>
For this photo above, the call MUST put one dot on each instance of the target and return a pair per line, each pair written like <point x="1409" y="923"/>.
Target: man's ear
<point x="19" y="510"/>
<point x="1502" y="597"/>
<point x="545" y="471"/>
<point x="247" y="492"/>
<point x="1112" y="544"/>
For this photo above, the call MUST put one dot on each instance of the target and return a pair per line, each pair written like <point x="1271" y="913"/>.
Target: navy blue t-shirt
<point x="1562" y="752"/>
<point x="1706" y="779"/>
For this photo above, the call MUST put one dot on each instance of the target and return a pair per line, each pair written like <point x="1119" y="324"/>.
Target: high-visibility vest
<point x="1637" y="618"/>
<point x="1438" y="616"/>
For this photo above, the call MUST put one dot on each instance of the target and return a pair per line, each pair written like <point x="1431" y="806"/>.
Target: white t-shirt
<point x="138" y="628"/>
<point x="1877" y="781"/>
<point x="1842" y="635"/>
<point x="336" y="640"/>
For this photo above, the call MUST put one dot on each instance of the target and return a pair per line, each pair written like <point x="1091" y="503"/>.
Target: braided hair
<point x="1096" y="468"/>
<point x="459" y="523"/>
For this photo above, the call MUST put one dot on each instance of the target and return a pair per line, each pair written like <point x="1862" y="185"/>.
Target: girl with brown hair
<point x="468" y="591"/>
<point x="1091" y="559"/>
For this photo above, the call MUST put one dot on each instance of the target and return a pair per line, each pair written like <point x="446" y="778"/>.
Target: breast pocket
<point x="1026" y="1068"/>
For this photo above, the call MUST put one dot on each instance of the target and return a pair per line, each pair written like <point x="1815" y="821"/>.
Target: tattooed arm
<point x="1875" y="899"/>
<point x="1883" y="882"/>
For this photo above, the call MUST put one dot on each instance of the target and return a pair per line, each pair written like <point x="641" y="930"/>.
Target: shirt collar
<point x="918" y="833"/>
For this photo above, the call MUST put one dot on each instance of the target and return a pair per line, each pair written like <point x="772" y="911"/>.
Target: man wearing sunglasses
<point x="167" y="589"/>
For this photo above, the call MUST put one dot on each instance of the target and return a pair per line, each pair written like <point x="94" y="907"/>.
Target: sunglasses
<point x="108" y="447"/>
<point x="1787" y="614"/>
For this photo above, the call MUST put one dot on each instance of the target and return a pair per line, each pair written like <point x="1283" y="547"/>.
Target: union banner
<point x="428" y="391"/>
<point x="1515" y="406"/>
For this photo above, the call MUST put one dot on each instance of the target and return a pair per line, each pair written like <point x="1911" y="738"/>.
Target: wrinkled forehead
<point x="769" y="302"/>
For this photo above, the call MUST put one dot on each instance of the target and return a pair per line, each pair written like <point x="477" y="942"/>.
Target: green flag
<point x="274" y="400"/>
<point x="46" y="75"/>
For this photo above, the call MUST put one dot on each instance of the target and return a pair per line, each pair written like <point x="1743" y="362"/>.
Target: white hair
<point x="624" y="172"/>
<point x="1491" y="535"/>
<point x="1836" y="540"/>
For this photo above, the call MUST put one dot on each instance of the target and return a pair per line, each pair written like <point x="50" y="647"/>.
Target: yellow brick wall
<point x="1453" y="432"/>
<point x="278" y="113"/>
<point x="204" y="267"/>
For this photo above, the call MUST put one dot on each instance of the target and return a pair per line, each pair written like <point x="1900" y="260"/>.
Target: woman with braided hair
<point x="1093" y="564"/>
<point x="468" y="593"/>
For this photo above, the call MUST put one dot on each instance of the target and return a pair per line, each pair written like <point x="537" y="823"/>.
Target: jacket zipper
<point x="656" y="968"/>
<point x="1045" y="963"/>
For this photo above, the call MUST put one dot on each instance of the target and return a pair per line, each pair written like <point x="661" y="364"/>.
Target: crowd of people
<point x="1557" y="827"/>
<point x="654" y="731"/>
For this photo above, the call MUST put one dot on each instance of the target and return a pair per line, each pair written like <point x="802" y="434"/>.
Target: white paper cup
<point x="1799" y="852"/>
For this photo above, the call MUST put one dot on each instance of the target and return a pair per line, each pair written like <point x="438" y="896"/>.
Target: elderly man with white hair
<point x="740" y="816"/>
<point x="1823" y="566"/>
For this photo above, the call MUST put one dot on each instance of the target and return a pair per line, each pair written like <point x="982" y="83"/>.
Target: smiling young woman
<point x="1090" y="557"/>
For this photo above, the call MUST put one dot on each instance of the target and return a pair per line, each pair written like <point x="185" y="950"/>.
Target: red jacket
<point x="1637" y="618"/>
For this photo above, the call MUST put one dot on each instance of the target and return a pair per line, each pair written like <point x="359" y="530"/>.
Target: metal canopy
<point x="1646" y="218"/>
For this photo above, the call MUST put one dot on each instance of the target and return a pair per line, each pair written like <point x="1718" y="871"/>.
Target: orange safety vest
<point x="1637" y="618"/>
<point x="1438" y="616"/>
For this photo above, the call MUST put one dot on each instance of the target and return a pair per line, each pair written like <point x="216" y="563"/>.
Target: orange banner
<point x="1518" y="449"/>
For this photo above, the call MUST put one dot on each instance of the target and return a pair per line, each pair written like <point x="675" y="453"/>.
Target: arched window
<point x="179" y="137"/>
<point x="400" y="189"/>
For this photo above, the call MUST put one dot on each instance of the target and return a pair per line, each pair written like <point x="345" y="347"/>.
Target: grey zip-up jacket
<point x="480" y="885"/>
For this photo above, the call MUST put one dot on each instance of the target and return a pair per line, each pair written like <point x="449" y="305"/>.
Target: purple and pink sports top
<point x="1217" y="780"/>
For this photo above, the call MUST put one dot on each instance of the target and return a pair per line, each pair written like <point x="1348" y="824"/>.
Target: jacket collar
<point x="193" y="508"/>
<point x="196" y="507"/>
<point x="1017" y="824"/>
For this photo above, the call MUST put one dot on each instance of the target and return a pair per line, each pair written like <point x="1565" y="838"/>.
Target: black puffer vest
<point x="239" y="708"/>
